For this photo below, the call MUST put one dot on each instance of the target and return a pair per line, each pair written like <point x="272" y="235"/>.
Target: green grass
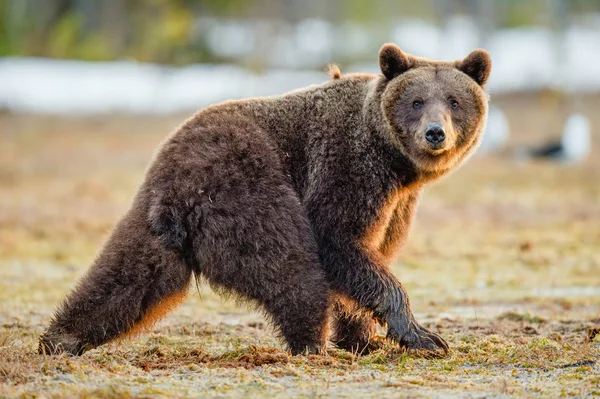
<point x="503" y="261"/>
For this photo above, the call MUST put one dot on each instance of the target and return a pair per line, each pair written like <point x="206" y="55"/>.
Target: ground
<point x="503" y="261"/>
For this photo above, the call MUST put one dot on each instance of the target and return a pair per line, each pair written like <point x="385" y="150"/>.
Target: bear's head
<point x="436" y="110"/>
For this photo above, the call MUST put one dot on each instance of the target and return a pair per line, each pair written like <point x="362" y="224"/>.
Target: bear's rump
<point x="227" y="199"/>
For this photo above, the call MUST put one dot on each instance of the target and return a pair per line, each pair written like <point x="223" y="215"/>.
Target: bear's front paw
<point x="412" y="336"/>
<point x="312" y="349"/>
<point x="50" y="344"/>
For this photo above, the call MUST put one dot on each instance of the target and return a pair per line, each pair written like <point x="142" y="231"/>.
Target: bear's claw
<point x="413" y="336"/>
<point x="55" y="345"/>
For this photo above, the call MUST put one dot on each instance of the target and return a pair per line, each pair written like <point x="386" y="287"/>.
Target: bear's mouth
<point x="436" y="149"/>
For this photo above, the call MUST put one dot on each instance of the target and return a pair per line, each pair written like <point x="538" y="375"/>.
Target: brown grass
<point x="504" y="262"/>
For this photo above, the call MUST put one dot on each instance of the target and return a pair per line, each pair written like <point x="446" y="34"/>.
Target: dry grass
<point x="504" y="261"/>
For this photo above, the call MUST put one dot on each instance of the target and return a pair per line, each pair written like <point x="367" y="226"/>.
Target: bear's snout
<point x="435" y="134"/>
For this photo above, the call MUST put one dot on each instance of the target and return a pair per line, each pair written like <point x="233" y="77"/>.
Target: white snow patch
<point x="523" y="59"/>
<point x="57" y="86"/>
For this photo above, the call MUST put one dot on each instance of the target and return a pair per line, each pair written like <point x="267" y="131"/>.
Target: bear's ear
<point x="477" y="65"/>
<point x="393" y="61"/>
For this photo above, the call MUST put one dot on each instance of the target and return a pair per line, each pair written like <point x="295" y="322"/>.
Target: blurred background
<point x="167" y="56"/>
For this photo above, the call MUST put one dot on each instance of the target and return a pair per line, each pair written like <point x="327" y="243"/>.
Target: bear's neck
<point x="344" y="118"/>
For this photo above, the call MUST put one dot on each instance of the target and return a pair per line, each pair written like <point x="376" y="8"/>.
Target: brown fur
<point x="297" y="202"/>
<point x="353" y="327"/>
<point x="390" y="228"/>
<point x="154" y="314"/>
<point x="334" y="71"/>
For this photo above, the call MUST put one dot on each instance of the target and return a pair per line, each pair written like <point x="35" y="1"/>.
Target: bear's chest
<point x="389" y="225"/>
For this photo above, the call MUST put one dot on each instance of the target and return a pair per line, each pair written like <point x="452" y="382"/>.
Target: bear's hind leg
<point x="134" y="281"/>
<point x="223" y="191"/>
<point x="262" y="248"/>
<point x="352" y="326"/>
<point x="299" y="311"/>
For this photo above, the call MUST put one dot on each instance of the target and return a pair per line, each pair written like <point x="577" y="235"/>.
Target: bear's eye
<point x="417" y="104"/>
<point x="453" y="103"/>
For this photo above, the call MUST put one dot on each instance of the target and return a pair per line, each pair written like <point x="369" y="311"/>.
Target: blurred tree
<point x="175" y="31"/>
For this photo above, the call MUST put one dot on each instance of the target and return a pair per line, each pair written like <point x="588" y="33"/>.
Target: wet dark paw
<point x="313" y="349"/>
<point x="56" y="346"/>
<point x="359" y="348"/>
<point x="415" y="337"/>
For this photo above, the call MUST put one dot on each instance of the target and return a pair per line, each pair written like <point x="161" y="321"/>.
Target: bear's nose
<point x="434" y="133"/>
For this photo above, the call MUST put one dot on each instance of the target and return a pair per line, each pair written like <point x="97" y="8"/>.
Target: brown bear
<point x="297" y="202"/>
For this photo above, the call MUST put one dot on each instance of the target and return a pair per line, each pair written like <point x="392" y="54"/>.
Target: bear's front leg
<point x="360" y="271"/>
<point x="357" y="274"/>
<point x="353" y="327"/>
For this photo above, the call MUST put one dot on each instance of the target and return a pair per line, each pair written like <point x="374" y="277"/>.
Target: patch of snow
<point x="353" y="40"/>
<point x="495" y="135"/>
<point x="460" y="37"/>
<point x="417" y="37"/>
<point x="576" y="138"/>
<point x="231" y="38"/>
<point x="524" y="59"/>
<point x="58" y="86"/>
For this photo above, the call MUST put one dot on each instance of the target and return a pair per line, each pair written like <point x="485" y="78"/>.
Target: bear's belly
<point x="390" y="227"/>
